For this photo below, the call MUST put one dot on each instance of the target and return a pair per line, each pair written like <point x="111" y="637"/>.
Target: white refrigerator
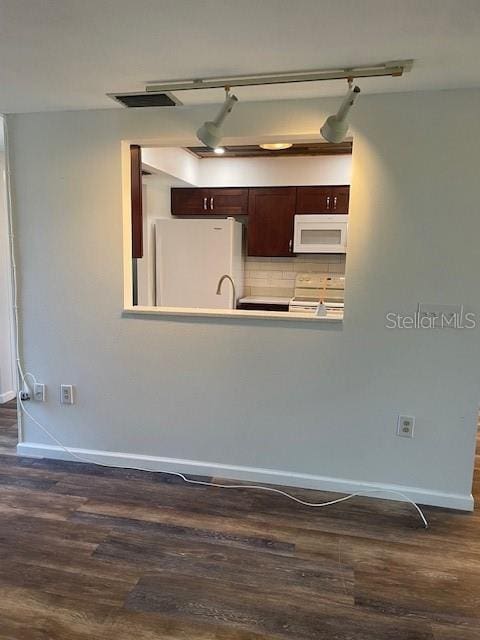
<point x="191" y="256"/>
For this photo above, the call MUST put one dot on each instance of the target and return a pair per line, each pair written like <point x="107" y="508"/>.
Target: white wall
<point x="316" y="403"/>
<point x="176" y="162"/>
<point x="7" y="377"/>
<point x="259" y="172"/>
<point x="249" y="172"/>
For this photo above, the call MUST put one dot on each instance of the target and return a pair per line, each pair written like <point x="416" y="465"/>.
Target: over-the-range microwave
<point x="319" y="233"/>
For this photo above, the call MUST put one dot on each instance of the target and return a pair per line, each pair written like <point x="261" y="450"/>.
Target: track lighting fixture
<point x="210" y="133"/>
<point x="164" y="94"/>
<point x="335" y="127"/>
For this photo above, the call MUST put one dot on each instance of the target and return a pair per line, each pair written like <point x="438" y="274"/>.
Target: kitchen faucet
<point x="219" y="289"/>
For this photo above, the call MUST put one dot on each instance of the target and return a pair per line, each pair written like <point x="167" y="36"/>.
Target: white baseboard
<point x="250" y="474"/>
<point x="7" y="396"/>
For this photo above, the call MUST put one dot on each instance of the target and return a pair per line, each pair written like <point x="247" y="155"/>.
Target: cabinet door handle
<point x="204" y="204"/>
<point x="328" y="202"/>
<point x="290" y="245"/>
<point x="211" y="204"/>
<point x="335" y="202"/>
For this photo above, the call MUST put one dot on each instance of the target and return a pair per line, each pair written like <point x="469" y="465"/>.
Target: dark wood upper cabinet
<point x="270" y="221"/>
<point x="340" y="199"/>
<point x="323" y="199"/>
<point x="187" y="202"/>
<point x="226" y="201"/>
<point x="229" y="200"/>
<point x="271" y="210"/>
<point x="312" y="199"/>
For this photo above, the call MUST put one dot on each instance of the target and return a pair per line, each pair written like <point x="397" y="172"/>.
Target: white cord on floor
<point x="24" y="375"/>
<point x="204" y="483"/>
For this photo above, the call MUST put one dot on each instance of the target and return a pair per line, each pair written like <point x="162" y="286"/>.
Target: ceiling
<point x="255" y="151"/>
<point x="67" y="54"/>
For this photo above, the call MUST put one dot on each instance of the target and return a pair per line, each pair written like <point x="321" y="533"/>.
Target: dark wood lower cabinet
<point x="270" y="221"/>
<point x="258" y="306"/>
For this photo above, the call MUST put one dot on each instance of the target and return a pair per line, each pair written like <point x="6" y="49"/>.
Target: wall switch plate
<point x="66" y="394"/>
<point x="405" y="426"/>
<point x="440" y="316"/>
<point x="39" y="392"/>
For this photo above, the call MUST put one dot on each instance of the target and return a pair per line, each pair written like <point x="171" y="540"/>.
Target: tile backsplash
<point x="276" y="276"/>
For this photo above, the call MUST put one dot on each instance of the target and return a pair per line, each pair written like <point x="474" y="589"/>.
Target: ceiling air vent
<point x="135" y="100"/>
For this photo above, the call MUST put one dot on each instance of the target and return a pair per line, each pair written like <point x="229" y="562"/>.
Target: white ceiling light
<point x="276" y="146"/>
<point x="219" y="150"/>
<point x="210" y="133"/>
<point x="335" y="127"/>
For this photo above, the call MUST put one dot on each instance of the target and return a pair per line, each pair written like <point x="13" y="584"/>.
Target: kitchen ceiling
<point x="68" y="54"/>
<point x="255" y="151"/>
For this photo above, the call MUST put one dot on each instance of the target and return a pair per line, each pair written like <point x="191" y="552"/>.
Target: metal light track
<point x="394" y="69"/>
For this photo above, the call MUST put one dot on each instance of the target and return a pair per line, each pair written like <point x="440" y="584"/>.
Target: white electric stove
<point x="311" y="288"/>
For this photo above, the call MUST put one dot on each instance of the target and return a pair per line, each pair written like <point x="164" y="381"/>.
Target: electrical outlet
<point x="405" y="426"/>
<point x="66" y="394"/>
<point x="39" y="392"/>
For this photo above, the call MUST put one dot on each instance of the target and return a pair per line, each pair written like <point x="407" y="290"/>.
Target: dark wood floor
<point x="105" y="554"/>
<point x="8" y="428"/>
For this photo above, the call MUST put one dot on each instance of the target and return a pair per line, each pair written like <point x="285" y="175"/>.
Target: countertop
<point x="237" y="314"/>
<point x="264" y="300"/>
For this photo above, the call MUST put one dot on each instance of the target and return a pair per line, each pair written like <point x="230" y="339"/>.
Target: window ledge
<point x="229" y="313"/>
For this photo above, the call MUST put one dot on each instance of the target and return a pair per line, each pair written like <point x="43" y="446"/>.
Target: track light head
<point x="335" y="127"/>
<point x="210" y="133"/>
<point x="334" y="130"/>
